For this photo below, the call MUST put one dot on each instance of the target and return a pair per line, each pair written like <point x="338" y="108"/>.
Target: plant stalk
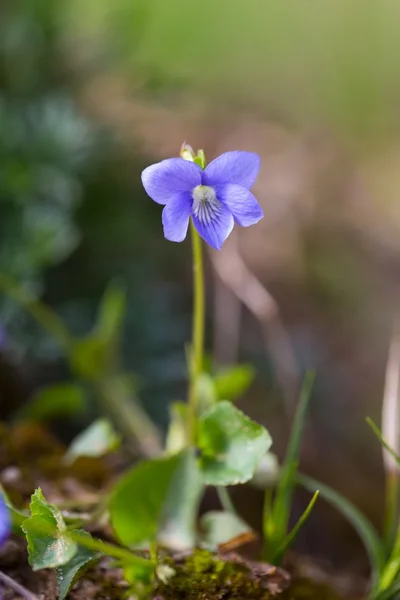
<point x="197" y="351"/>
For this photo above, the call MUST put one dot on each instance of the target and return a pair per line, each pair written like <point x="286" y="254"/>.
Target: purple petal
<point x="175" y="217"/>
<point x="233" y="167"/>
<point x="214" y="227"/>
<point x="5" y="521"/>
<point x="242" y="204"/>
<point x="164" y="179"/>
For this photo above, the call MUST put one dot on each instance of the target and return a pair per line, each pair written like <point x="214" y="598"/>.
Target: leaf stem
<point x="196" y="363"/>
<point x="49" y="320"/>
<point x="226" y="500"/>
<point x="110" y="549"/>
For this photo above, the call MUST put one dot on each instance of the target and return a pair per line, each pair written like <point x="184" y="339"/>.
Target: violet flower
<point x="215" y="198"/>
<point x="5" y="521"/>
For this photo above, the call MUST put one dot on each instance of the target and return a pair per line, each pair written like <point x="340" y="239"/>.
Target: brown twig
<point x="237" y="277"/>
<point x="17" y="587"/>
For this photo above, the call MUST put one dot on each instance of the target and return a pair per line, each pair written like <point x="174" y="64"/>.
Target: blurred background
<point x="91" y="93"/>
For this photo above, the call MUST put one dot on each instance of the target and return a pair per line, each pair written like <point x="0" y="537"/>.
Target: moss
<point x="203" y="576"/>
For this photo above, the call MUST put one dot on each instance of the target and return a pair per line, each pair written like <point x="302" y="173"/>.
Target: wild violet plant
<point x="218" y="445"/>
<point x="210" y="442"/>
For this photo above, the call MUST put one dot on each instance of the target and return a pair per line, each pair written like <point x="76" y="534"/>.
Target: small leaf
<point x="221" y="526"/>
<point x="137" y="500"/>
<point x="48" y="546"/>
<point x="176" y="436"/>
<point x="179" y="514"/>
<point x="89" y="357"/>
<point x="140" y="577"/>
<point x="68" y="574"/>
<point x="233" y="381"/>
<point x="98" y="439"/>
<point x="231" y="445"/>
<point x="111" y="314"/>
<point x="54" y="401"/>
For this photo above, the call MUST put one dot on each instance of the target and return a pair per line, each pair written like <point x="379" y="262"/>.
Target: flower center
<point x="206" y="206"/>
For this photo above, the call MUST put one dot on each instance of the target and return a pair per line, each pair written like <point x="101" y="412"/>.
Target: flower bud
<point x="187" y="152"/>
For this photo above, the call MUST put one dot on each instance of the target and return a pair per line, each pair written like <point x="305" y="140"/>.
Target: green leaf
<point x="233" y="381"/>
<point x="275" y="521"/>
<point x="382" y="440"/>
<point x="365" y="530"/>
<point x="140" y="577"/>
<point x="180" y="509"/>
<point x="93" y="356"/>
<point x="221" y="526"/>
<point x="111" y="314"/>
<point x="54" y="401"/>
<point x="45" y="530"/>
<point x="68" y="574"/>
<point x="293" y="534"/>
<point x="89" y="357"/>
<point x="391" y="593"/>
<point x="177" y="436"/>
<point x="231" y="445"/>
<point x="98" y="439"/>
<point x="137" y="500"/>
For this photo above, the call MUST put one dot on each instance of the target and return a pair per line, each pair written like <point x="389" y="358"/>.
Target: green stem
<point x="225" y="500"/>
<point x="391" y="510"/>
<point x="128" y="416"/>
<point x="39" y="311"/>
<point x="196" y="365"/>
<point x="110" y="549"/>
<point x="153" y="552"/>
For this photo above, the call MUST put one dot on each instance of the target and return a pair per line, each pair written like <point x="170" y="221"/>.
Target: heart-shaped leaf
<point x="137" y="501"/>
<point x="231" y="445"/>
<point x="48" y="546"/>
<point x="68" y="574"/>
<point x="98" y="439"/>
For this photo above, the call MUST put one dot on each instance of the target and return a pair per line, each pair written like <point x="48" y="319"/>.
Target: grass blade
<point x="363" y="527"/>
<point x="276" y="522"/>
<point x="293" y="534"/>
<point x="384" y="443"/>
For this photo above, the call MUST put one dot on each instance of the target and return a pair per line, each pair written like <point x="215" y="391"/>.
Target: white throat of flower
<point x="206" y="206"/>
